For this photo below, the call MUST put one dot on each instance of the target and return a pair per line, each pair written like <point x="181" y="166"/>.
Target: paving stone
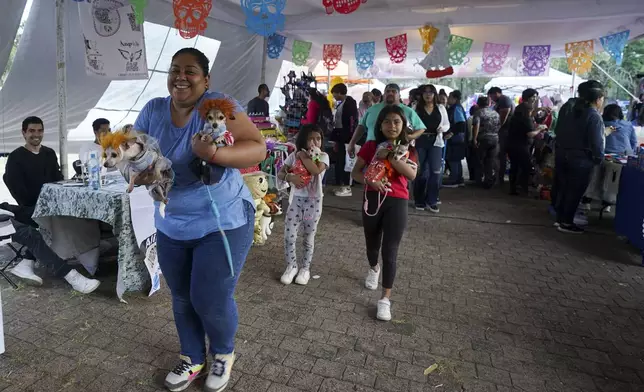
<point x="249" y="383"/>
<point x="327" y="368"/>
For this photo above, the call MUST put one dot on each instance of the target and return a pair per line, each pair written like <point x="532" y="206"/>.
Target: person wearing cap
<point x="368" y="121"/>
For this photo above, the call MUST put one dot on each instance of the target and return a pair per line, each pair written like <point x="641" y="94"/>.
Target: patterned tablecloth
<point x="110" y="205"/>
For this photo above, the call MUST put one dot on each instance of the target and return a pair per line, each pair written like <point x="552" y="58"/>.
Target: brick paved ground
<point x="498" y="306"/>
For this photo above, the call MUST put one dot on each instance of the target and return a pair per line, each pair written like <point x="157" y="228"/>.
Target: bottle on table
<point x="94" y="171"/>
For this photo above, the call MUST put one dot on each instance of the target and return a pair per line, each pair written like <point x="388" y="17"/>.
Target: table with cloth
<point x="68" y="215"/>
<point x="629" y="214"/>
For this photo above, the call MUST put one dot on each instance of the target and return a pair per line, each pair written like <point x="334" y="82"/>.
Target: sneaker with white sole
<point x="384" y="310"/>
<point x="434" y="209"/>
<point x="303" y="277"/>
<point x="371" y="282"/>
<point x="570" y="229"/>
<point x="80" y="283"/>
<point x="289" y="274"/>
<point x="419" y="208"/>
<point x="219" y="372"/>
<point x="25" y="270"/>
<point x="183" y="374"/>
<point x="345" y="191"/>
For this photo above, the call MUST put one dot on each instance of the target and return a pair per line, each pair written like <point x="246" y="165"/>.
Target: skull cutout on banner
<point x="264" y="17"/>
<point x="436" y="63"/>
<point x="331" y="55"/>
<point x="494" y="56"/>
<point x="365" y="55"/>
<point x="458" y="48"/>
<point x="191" y="16"/>
<point x="275" y="45"/>
<point x="579" y="56"/>
<point x="342" y="6"/>
<point x="397" y="48"/>
<point x="301" y="50"/>
<point x="536" y="59"/>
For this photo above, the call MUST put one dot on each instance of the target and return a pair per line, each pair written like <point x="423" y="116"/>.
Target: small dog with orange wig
<point x="215" y="112"/>
<point x="138" y="156"/>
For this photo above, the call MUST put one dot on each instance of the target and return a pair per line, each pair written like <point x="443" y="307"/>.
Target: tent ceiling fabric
<point x="8" y="29"/>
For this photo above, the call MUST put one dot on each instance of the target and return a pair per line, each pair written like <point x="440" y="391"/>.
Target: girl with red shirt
<point x="384" y="215"/>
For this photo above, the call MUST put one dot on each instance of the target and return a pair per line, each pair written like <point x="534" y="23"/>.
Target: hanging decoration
<point x="365" y="55"/>
<point x="428" y="34"/>
<point x="536" y="59"/>
<point x="264" y="17"/>
<point x="580" y="55"/>
<point x="139" y="6"/>
<point x="274" y="45"/>
<point x="458" y="48"/>
<point x="331" y="55"/>
<point x="334" y="80"/>
<point x="494" y="56"/>
<point x="301" y="51"/>
<point x="397" y="48"/>
<point x="614" y="44"/>
<point x="436" y="63"/>
<point x="342" y="6"/>
<point x="191" y="16"/>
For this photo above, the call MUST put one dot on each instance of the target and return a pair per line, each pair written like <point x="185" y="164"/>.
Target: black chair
<point x="6" y="232"/>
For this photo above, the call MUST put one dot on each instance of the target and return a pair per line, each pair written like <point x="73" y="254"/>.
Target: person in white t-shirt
<point x="305" y="208"/>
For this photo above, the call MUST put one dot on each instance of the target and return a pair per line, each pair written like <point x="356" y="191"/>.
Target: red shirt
<point x="312" y="113"/>
<point x="398" y="182"/>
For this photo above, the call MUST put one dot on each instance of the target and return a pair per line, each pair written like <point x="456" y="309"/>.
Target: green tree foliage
<point x="632" y="64"/>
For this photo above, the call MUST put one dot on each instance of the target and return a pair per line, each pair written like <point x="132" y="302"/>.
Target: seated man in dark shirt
<point x="28" y="168"/>
<point x="258" y="106"/>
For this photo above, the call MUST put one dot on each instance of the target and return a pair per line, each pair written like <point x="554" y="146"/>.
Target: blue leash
<point x="215" y="211"/>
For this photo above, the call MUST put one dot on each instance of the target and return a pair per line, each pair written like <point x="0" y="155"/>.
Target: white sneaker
<point x="384" y="310"/>
<point x="303" y="277"/>
<point x="289" y="274"/>
<point x="219" y="372"/>
<point x="80" y="283"/>
<point x="372" y="279"/>
<point x="183" y="375"/>
<point x="25" y="270"/>
<point x="345" y="191"/>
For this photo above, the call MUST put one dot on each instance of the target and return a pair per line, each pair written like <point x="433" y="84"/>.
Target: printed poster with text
<point x="142" y="212"/>
<point x="114" y="43"/>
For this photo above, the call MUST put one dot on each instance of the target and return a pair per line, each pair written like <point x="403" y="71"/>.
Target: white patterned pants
<point x="303" y="212"/>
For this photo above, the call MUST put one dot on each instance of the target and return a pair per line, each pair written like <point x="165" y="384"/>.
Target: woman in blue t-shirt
<point x="207" y="231"/>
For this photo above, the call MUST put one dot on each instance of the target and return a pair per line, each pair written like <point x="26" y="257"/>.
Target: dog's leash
<point x="215" y="211"/>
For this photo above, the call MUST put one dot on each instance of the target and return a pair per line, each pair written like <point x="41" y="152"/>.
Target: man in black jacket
<point x="28" y="168"/>
<point x="346" y="121"/>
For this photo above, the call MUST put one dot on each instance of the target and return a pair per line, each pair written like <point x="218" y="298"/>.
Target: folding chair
<point x="6" y="232"/>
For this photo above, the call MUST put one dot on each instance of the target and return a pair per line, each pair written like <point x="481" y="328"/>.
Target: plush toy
<point x="257" y="183"/>
<point x="300" y="170"/>
<point x="381" y="169"/>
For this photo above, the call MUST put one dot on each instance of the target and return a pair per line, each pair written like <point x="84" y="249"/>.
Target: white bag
<point x="349" y="162"/>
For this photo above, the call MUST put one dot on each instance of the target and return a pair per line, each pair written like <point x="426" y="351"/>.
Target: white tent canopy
<point x="236" y="55"/>
<point x="556" y="82"/>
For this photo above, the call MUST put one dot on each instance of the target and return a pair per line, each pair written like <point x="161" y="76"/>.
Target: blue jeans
<point x="430" y="165"/>
<point x="455" y="172"/>
<point x="202" y="289"/>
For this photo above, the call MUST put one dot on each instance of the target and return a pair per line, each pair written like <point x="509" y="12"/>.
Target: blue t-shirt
<point x="188" y="215"/>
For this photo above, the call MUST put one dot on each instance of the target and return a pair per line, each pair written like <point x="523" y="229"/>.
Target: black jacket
<point x="26" y="173"/>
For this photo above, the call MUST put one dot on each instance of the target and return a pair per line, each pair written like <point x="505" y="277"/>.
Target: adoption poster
<point x="142" y="213"/>
<point x="114" y="42"/>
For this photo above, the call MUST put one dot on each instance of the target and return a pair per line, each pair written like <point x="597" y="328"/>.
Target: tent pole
<point x="613" y="79"/>
<point x="264" y="60"/>
<point x="61" y="84"/>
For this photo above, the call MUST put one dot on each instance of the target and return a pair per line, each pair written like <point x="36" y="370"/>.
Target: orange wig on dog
<point x="226" y="106"/>
<point x="115" y="139"/>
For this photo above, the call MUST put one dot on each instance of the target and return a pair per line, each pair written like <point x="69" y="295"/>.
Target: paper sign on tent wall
<point x="114" y="42"/>
<point x="264" y="17"/>
<point x="535" y="60"/>
<point x="365" y="55"/>
<point x="301" y="51"/>
<point x="579" y="56"/>
<point x="458" y="47"/>
<point x="331" y="56"/>
<point x="397" y="48"/>
<point x="275" y="45"/>
<point x="494" y="56"/>
<point x="614" y="44"/>
<point x="142" y="212"/>
<point x="191" y="16"/>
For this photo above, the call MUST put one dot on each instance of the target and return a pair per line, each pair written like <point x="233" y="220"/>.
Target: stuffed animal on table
<point x="138" y="156"/>
<point x="257" y="183"/>
<point x="216" y="112"/>
<point x="299" y="169"/>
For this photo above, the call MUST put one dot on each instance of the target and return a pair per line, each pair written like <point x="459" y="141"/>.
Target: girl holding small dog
<point x="305" y="207"/>
<point x="208" y="227"/>
<point x="384" y="215"/>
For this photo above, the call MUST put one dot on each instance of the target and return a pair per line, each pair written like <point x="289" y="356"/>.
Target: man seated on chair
<point x="31" y="238"/>
<point x="101" y="126"/>
<point x="28" y="168"/>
